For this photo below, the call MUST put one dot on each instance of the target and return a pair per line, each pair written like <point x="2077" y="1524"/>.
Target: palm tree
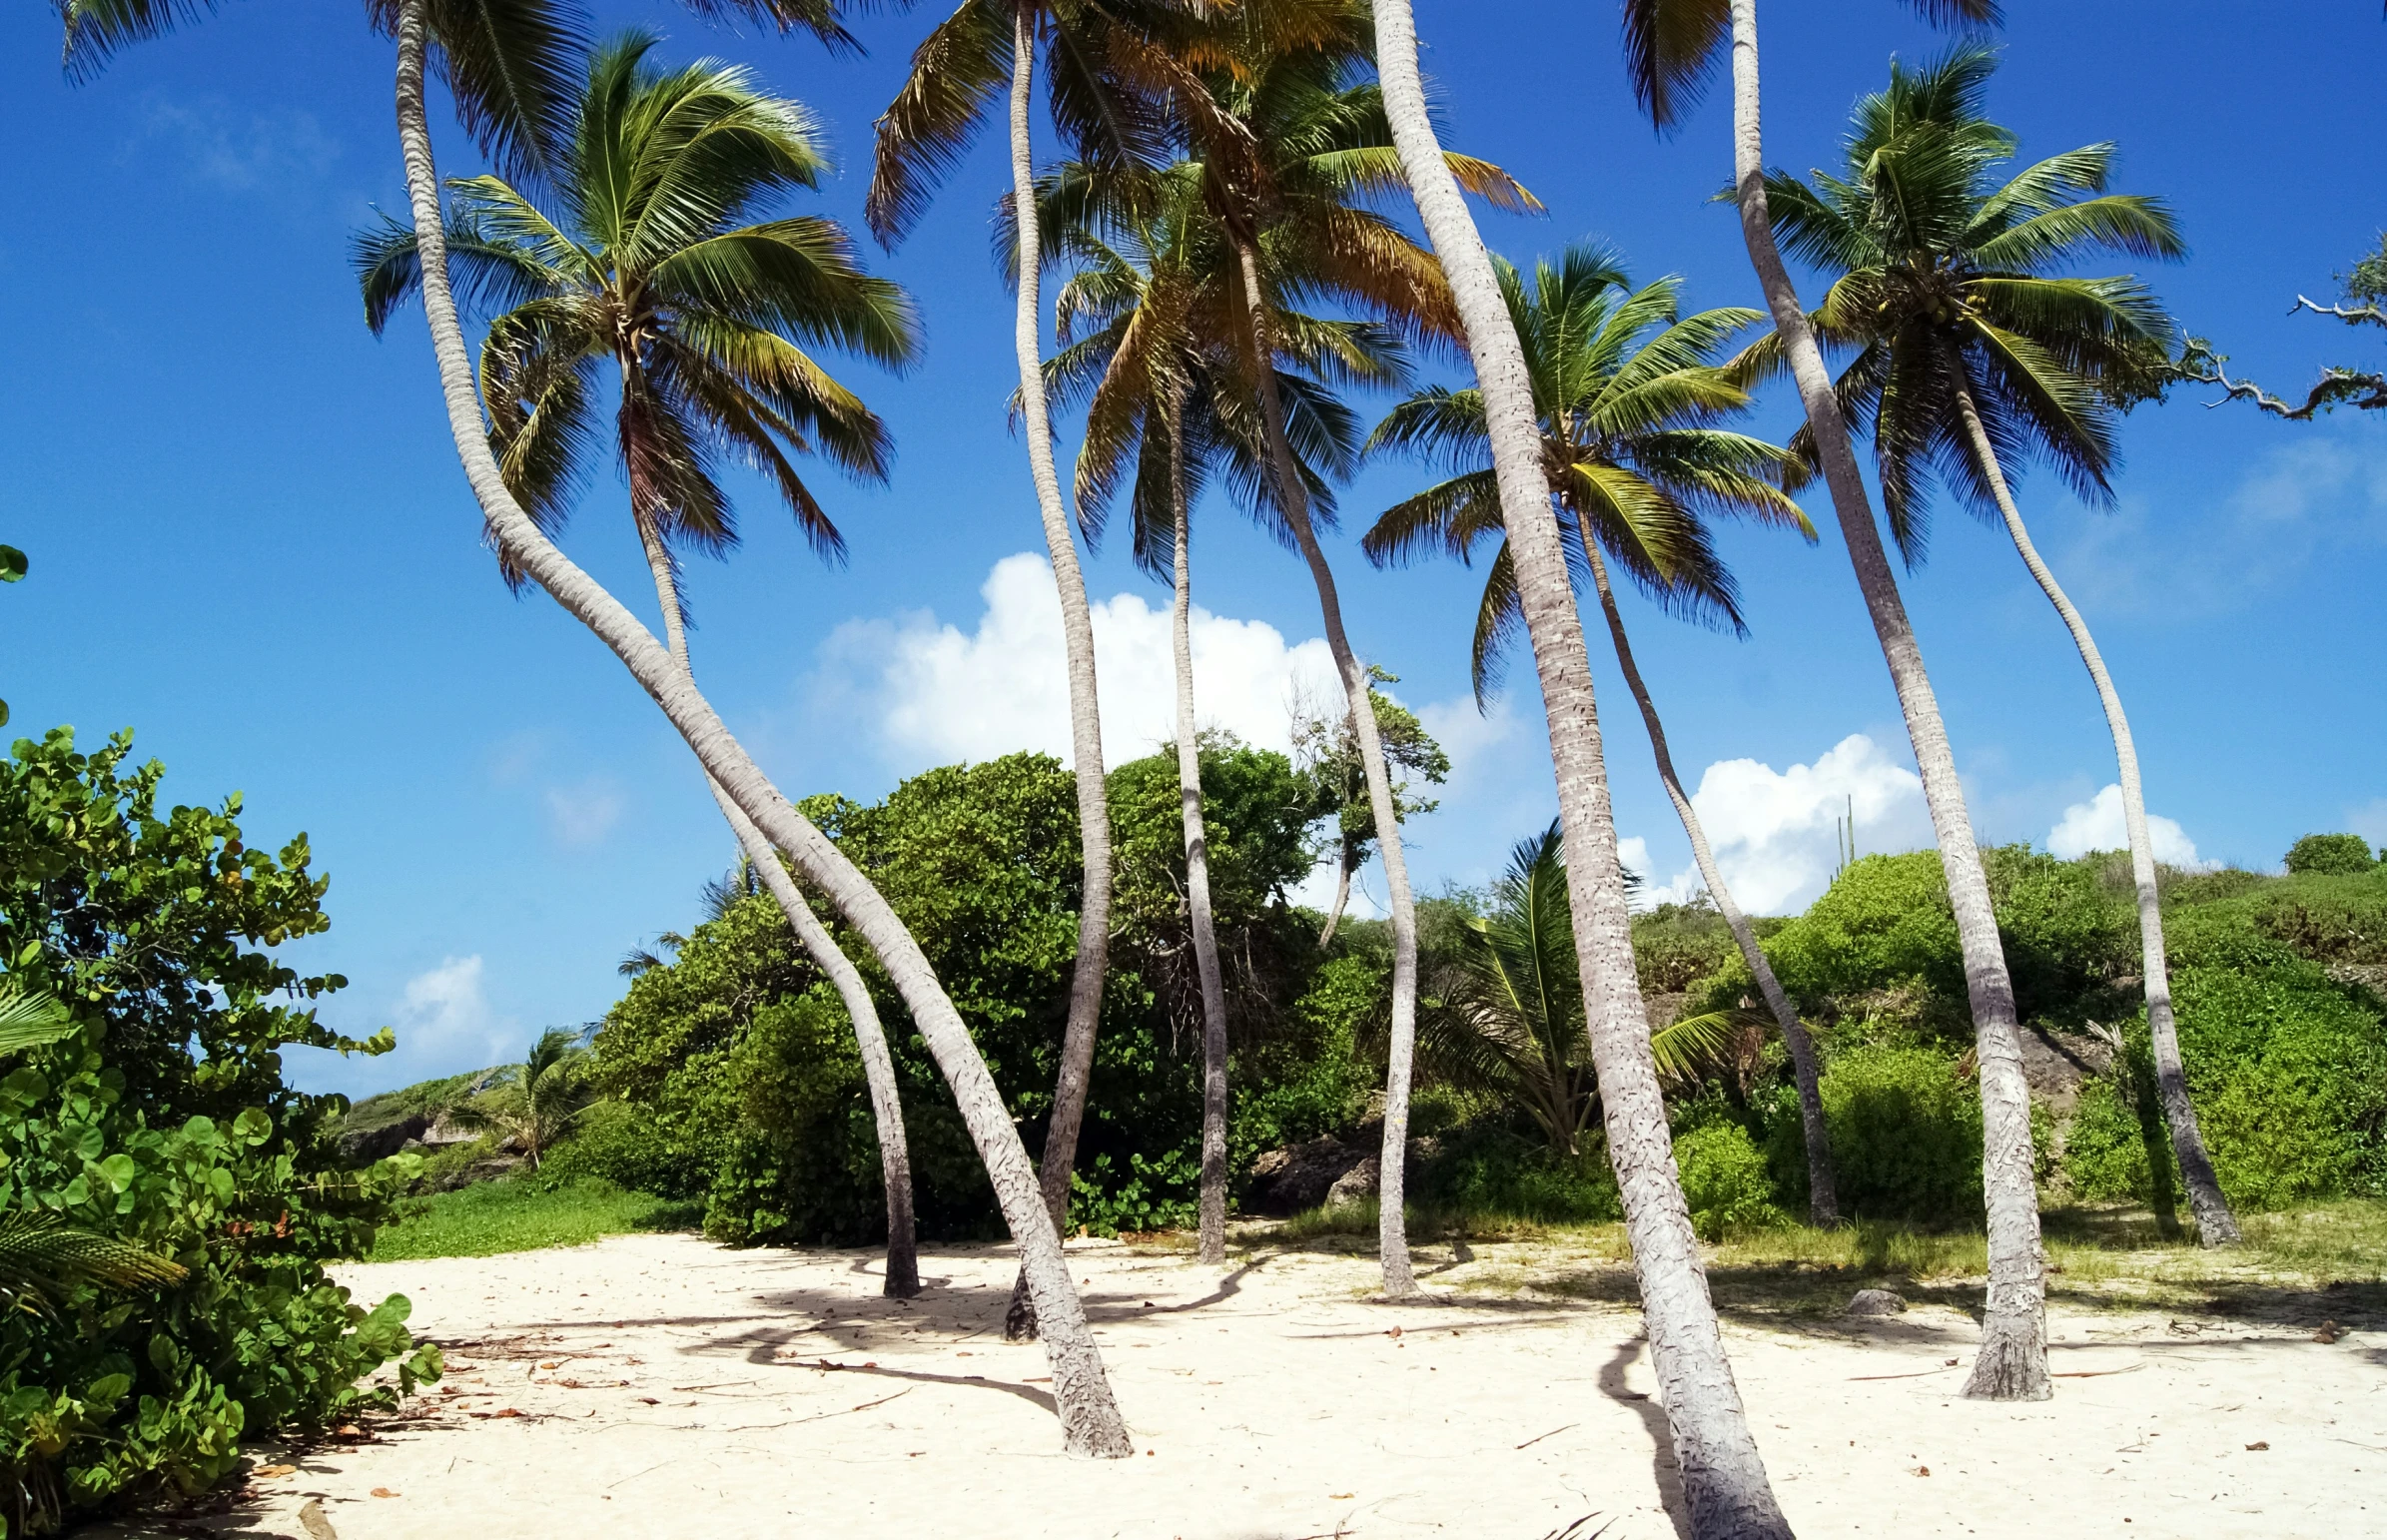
<point x="1089" y="1413"/>
<point x="1968" y="351"/>
<point x="1724" y="1478"/>
<point x="494" y="56"/>
<point x="546" y="1095"/>
<point x="1293" y="148"/>
<point x="1138" y="321"/>
<point x="1670" y="45"/>
<point x="1104" y="70"/>
<point x="1627" y="401"/>
<point x="1124" y="321"/>
<point x="705" y="325"/>
<point x="1507" y="1016"/>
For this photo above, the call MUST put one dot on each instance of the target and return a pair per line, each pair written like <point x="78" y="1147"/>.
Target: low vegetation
<point x="523" y="1214"/>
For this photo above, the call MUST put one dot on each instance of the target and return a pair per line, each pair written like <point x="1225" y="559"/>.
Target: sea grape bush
<point x="165" y="1121"/>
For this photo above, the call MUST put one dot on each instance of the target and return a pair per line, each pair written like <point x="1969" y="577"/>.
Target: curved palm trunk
<point x="2012" y="1363"/>
<point x="1197" y="864"/>
<point x="1393" y="1233"/>
<point x="1089" y="1417"/>
<point x="1085" y="721"/>
<point x="2215" y="1225"/>
<point x="1823" y="1198"/>
<point x="870" y="1037"/>
<point x="1724" y="1478"/>
<point x="1344" y="867"/>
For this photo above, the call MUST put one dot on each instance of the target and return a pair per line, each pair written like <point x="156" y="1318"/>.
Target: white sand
<point x="1274" y="1405"/>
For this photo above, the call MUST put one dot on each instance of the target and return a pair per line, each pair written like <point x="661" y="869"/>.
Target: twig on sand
<point x="2096" y="1373"/>
<point x="1553" y="1433"/>
<point x="1916" y="1374"/>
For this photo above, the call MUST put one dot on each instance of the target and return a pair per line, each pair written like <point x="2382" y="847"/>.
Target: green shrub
<point x="1906" y="1136"/>
<point x="2332" y="855"/>
<point x="2288" y="1071"/>
<point x="1489" y="1170"/>
<point x="1725" y="1180"/>
<point x="164" y="1121"/>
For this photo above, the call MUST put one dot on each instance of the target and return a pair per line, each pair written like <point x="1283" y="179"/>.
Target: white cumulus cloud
<point x="1772" y="831"/>
<point x="2098" y="825"/>
<point x="443" y="1013"/>
<point x="939" y="693"/>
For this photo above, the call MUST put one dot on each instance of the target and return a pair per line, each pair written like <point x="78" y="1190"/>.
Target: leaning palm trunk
<point x="1081" y="1390"/>
<point x="1292" y="497"/>
<point x="1344" y="865"/>
<point x="1085" y="721"/>
<point x="870" y="1037"/>
<point x="1823" y="1198"/>
<point x="2215" y="1225"/>
<point x="1198" y="863"/>
<point x="1724" y="1480"/>
<point x="2012" y="1363"/>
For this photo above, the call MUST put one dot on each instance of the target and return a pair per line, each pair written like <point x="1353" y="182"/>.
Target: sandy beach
<point x="656" y="1385"/>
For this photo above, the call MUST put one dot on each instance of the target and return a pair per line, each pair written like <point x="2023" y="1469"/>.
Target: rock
<point x="1355" y="1185"/>
<point x="445" y="1131"/>
<point x="362" y="1147"/>
<point x="479" y="1170"/>
<point x="2055" y="1065"/>
<point x="1297" y="1176"/>
<point x="1876" y="1301"/>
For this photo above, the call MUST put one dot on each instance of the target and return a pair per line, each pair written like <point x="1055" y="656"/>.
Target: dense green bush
<point x="2288" y="1071"/>
<point x="1905" y="1135"/>
<point x="1725" y="1180"/>
<point x="2332" y="855"/>
<point x="164" y="1121"/>
<point x="735" y="1064"/>
<point x="1490" y="1166"/>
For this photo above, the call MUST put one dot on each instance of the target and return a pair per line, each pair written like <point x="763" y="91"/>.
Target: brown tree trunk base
<point x="2012" y="1364"/>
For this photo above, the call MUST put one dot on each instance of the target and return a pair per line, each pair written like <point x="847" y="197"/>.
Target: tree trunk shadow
<point x="1653" y="1420"/>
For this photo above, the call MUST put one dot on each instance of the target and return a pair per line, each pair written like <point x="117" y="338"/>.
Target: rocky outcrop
<point x="1297" y="1176"/>
<point x="363" y="1147"/>
<point x="2055" y="1063"/>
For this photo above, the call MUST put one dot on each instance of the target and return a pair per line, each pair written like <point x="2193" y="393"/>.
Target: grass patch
<point x="525" y="1214"/>
<point x="2323" y="1260"/>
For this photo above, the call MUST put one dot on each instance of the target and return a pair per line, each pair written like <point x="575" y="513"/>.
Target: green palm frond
<point x="654" y="253"/>
<point x="42" y="1258"/>
<point x="30" y="1018"/>
<point x="1945" y="282"/>
<point x="1630" y="395"/>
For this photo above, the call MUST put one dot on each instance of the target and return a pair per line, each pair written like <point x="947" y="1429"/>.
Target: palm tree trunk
<point x="1090" y="1418"/>
<point x="1344" y="865"/>
<point x="870" y="1037"/>
<point x="1198" y="863"/>
<point x="1391" y="1227"/>
<point x="2215" y="1225"/>
<point x="1823" y="1198"/>
<point x="1085" y="720"/>
<point x="1724" y="1478"/>
<point x="2012" y="1363"/>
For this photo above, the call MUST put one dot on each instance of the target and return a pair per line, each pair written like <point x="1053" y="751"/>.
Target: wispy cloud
<point x="585" y="812"/>
<point x="2299" y="504"/>
<point x="241" y="151"/>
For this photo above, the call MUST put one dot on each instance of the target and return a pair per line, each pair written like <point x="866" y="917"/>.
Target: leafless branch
<point x="2352" y="314"/>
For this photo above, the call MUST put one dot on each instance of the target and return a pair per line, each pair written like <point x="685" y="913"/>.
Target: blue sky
<point x="251" y="541"/>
